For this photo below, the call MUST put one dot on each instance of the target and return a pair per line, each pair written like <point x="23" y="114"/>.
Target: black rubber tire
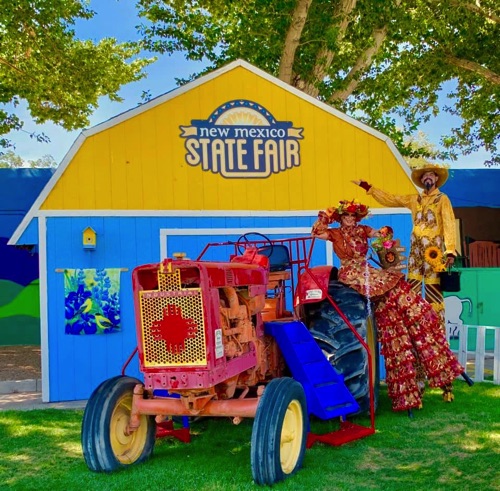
<point x="279" y="432"/>
<point x="88" y="442"/>
<point x="340" y="345"/>
<point x="106" y="447"/>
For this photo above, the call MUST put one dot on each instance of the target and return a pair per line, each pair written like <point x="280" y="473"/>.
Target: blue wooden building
<point x="233" y="152"/>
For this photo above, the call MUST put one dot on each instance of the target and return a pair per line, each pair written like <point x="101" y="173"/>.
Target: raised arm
<point x="320" y="226"/>
<point x="385" y="198"/>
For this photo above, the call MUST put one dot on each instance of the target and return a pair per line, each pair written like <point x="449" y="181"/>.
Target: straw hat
<point x="439" y="170"/>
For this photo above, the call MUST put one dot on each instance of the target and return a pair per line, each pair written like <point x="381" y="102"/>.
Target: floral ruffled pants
<point x="410" y="333"/>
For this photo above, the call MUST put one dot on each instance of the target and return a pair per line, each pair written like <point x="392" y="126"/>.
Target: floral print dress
<point x="408" y="327"/>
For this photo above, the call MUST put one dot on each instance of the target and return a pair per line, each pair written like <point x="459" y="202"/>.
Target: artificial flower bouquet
<point x="384" y="240"/>
<point x="388" y="249"/>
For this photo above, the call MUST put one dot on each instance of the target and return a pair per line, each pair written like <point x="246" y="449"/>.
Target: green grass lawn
<point x="444" y="447"/>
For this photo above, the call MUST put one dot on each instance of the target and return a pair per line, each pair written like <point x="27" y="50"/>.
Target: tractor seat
<point x="279" y="257"/>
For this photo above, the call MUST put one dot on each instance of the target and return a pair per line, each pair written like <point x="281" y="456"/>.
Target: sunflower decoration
<point x="434" y="256"/>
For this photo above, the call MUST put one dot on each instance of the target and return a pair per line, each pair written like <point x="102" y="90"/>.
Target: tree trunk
<point x="292" y="40"/>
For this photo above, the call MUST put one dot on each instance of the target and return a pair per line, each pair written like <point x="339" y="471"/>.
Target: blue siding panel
<point x="79" y="363"/>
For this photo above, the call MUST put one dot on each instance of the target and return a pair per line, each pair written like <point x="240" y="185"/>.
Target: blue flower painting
<point x="92" y="303"/>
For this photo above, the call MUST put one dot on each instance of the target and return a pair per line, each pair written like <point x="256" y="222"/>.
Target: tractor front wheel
<point x="106" y="442"/>
<point x="279" y="432"/>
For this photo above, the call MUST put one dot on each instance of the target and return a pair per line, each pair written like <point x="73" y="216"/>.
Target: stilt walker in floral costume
<point x="408" y="327"/>
<point x="432" y="241"/>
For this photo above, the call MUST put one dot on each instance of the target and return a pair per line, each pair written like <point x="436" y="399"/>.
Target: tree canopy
<point x="59" y="76"/>
<point x="10" y="160"/>
<point x="384" y="62"/>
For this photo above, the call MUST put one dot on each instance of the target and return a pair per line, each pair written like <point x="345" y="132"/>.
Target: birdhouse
<point x="89" y="239"/>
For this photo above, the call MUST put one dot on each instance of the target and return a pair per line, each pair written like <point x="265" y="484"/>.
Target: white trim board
<point x="202" y="213"/>
<point x="180" y="213"/>
<point x="44" y="315"/>
<point x="131" y="113"/>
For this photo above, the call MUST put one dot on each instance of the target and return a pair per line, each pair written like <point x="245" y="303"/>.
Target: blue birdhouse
<point x="89" y="239"/>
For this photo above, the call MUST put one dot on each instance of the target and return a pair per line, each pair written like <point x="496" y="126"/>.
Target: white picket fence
<point x="483" y="365"/>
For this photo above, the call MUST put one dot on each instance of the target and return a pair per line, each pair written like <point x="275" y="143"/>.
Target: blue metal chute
<point x="327" y="396"/>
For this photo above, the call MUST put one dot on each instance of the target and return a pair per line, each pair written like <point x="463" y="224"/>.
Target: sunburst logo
<point x="242" y="139"/>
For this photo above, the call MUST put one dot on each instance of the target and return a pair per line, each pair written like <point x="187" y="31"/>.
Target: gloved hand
<point x="325" y="217"/>
<point x="363" y="184"/>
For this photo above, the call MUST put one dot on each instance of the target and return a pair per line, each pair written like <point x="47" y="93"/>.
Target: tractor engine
<point x="200" y="327"/>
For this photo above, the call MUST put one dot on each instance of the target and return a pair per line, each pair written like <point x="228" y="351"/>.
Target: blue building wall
<point x="77" y="364"/>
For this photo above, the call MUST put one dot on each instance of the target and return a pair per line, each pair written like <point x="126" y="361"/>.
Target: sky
<point x="117" y="19"/>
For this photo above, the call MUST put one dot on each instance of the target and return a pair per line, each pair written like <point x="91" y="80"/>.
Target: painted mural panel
<point x="19" y="285"/>
<point x="236" y="141"/>
<point x="19" y="295"/>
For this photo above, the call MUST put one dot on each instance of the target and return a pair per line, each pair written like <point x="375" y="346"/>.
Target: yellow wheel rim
<point x="292" y="434"/>
<point x="127" y="448"/>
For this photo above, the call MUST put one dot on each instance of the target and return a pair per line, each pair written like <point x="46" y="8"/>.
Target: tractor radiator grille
<point x="172" y="324"/>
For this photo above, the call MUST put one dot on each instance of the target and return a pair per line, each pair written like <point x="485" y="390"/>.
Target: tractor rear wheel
<point x="106" y="442"/>
<point x="341" y="346"/>
<point x="279" y="431"/>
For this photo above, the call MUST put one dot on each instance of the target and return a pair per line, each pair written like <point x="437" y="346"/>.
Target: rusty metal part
<point x="234" y="305"/>
<point x="169" y="406"/>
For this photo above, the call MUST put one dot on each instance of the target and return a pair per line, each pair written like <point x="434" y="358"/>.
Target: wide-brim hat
<point x="440" y="171"/>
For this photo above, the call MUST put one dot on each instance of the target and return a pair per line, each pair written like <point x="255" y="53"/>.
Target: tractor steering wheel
<point x="244" y="240"/>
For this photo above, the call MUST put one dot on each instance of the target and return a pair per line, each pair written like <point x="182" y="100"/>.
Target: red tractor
<point x="260" y="335"/>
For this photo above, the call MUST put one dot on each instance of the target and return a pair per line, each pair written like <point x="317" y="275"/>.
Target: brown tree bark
<point x="325" y="55"/>
<point x="292" y="40"/>
<point x="362" y="63"/>
<point x="472" y="66"/>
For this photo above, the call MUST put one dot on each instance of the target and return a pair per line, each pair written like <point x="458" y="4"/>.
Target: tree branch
<point x="477" y="9"/>
<point x="3" y="61"/>
<point x="362" y="63"/>
<point x="292" y="40"/>
<point x="474" y="67"/>
<point x="325" y="56"/>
